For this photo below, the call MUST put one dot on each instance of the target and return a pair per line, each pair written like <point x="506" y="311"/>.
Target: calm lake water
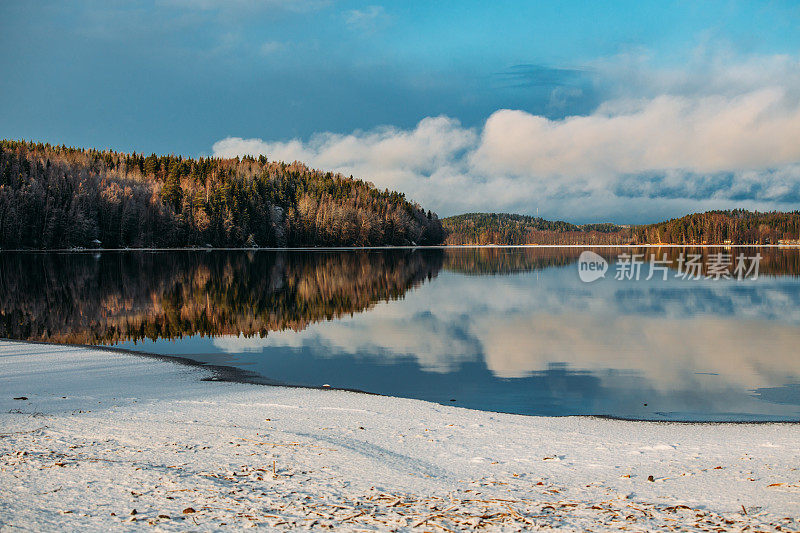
<point x="501" y="329"/>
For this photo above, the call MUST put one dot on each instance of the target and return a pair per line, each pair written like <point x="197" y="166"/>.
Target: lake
<point x="517" y="330"/>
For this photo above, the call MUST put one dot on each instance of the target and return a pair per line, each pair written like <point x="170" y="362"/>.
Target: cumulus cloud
<point x="708" y="134"/>
<point x="435" y="151"/>
<point x="686" y="148"/>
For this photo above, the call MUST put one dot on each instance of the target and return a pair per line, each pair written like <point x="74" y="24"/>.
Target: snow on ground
<point x="101" y="434"/>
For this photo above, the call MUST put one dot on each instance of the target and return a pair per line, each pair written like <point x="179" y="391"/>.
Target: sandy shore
<point x="101" y="434"/>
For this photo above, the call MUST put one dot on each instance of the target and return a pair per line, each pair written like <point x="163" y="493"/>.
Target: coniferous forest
<point x="736" y="226"/>
<point x="505" y="228"/>
<point x="54" y="197"/>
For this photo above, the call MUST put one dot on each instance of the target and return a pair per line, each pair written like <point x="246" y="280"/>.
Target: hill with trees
<point x="54" y="197"/>
<point x="505" y="228"/>
<point x="715" y="227"/>
<point x="736" y="226"/>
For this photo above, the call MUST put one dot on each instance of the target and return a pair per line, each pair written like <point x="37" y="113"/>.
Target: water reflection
<point x="504" y="329"/>
<point x="112" y="297"/>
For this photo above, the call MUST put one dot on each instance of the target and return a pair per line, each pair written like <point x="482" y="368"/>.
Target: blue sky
<point x="359" y="86"/>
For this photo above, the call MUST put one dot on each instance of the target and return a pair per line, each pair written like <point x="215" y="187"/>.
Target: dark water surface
<point x="502" y="329"/>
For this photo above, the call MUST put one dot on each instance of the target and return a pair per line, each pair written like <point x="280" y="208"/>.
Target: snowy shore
<point x="88" y="436"/>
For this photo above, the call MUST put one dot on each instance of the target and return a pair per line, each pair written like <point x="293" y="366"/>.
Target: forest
<point x="56" y="197"/>
<point x="737" y="226"/>
<point x="505" y="228"/>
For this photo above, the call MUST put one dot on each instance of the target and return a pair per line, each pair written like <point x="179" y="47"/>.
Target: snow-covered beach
<point x="88" y="436"/>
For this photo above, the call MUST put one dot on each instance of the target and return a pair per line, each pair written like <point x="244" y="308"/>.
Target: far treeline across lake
<point x="736" y="226"/>
<point x="55" y="197"/>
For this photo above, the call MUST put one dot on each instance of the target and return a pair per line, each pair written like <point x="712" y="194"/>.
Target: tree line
<point x="736" y="226"/>
<point x="55" y="197"/>
<point x="506" y="228"/>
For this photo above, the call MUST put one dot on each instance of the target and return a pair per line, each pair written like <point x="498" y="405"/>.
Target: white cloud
<point x="686" y="147"/>
<point x="365" y="19"/>
<point x="707" y="134"/>
<point x="707" y="72"/>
